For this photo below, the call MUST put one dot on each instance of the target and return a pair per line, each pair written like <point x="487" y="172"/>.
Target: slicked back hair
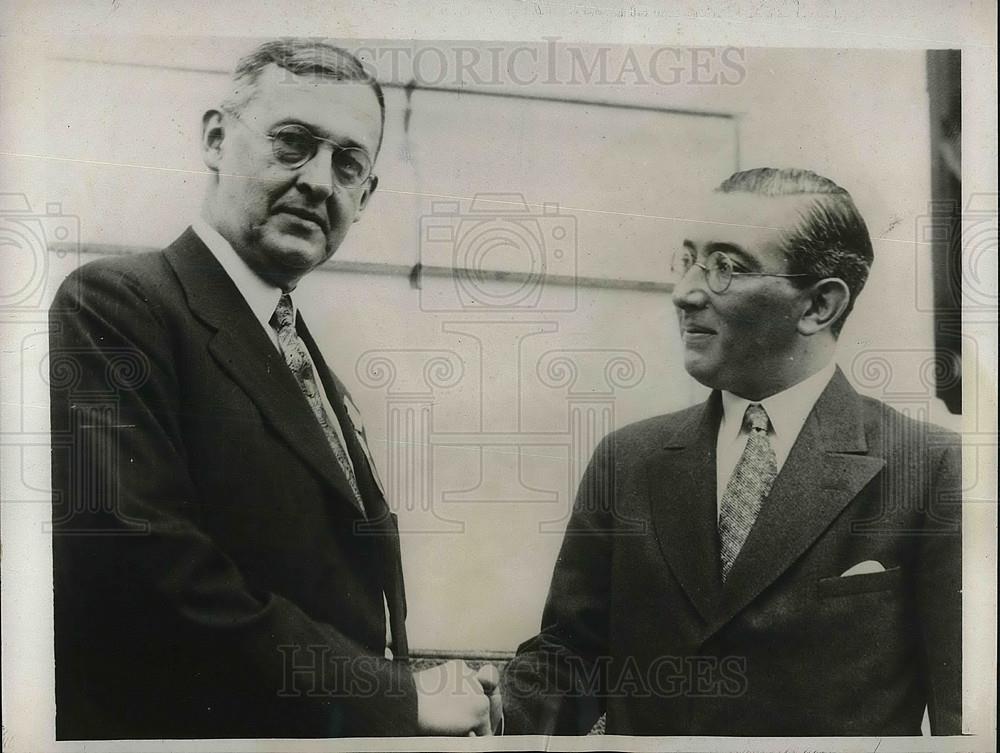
<point x="831" y="240"/>
<point x="302" y="57"/>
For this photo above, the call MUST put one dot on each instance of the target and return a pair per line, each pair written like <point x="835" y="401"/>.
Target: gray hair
<point x="302" y="57"/>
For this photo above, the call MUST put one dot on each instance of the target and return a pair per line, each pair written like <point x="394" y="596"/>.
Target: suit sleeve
<point x="555" y="684"/>
<point x="939" y="594"/>
<point x="136" y="574"/>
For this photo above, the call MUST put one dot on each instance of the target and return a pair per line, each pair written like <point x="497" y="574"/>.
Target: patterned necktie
<point x="748" y="486"/>
<point x="297" y="358"/>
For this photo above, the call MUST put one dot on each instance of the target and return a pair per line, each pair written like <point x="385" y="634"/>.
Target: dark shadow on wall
<point x="944" y="87"/>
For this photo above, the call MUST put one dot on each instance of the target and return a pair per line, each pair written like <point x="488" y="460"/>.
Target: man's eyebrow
<point x="734" y="252"/>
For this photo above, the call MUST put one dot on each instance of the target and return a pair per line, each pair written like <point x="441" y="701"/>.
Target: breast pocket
<point x="849" y="585"/>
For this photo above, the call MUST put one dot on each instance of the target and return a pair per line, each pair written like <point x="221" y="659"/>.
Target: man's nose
<point x="691" y="290"/>
<point x="316" y="175"/>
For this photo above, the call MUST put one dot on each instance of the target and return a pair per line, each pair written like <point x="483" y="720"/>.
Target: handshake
<point x="454" y="699"/>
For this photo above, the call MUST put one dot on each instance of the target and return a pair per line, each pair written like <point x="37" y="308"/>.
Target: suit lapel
<point x="682" y="496"/>
<point x="336" y="393"/>
<point x="380" y="523"/>
<point x="826" y="468"/>
<point x="243" y="350"/>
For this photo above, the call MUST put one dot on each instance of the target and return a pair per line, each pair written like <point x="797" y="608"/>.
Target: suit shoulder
<point x="146" y="277"/>
<point x="656" y="429"/>
<point x="146" y="266"/>
<point x="889" y="425"/>
<point x="150" y="268"/>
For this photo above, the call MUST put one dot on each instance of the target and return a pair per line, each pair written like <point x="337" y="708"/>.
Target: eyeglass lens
<point x="294" y="145"/>
<point x="718" y="269"/>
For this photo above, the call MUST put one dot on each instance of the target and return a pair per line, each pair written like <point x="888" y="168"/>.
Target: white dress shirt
<point x="787" y="411"/>
<point x="262" y="298"/>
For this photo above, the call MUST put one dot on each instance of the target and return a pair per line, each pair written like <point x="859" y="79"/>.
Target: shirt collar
<point x="261" y="296"/>
<point x="787" y="410"/>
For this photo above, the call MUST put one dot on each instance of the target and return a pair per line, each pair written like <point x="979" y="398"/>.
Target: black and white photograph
<point x="379" y="376"/>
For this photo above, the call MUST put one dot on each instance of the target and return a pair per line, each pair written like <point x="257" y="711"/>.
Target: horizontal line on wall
<point x="415" y="87"/>
<point x="498" y="439"/>
<point x="566" y="100"/>
<point x="402" y="270"/>
<point x="448" y="654"/>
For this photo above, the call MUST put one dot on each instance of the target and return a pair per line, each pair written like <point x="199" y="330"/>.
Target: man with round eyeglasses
<point x="783" y="559"/>
<point x="225" y="561"/>
<point x="294" y="145"/>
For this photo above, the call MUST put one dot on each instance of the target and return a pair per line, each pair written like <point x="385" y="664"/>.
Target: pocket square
<point x="864" y="568"/>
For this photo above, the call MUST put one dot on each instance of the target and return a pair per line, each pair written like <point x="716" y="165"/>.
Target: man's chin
<point x="702" y="372"/>
<point x="296" y="254"/>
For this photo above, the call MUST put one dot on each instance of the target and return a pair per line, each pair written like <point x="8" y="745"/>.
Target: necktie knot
<point x="756" y="418"/>
<point x="284" y="312"/>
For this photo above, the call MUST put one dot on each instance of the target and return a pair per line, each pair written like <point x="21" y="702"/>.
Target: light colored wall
<point x="480" y="418"/>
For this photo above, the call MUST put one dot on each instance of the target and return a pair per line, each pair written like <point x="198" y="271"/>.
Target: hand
<point x="489" y="678"/>
<point x="451" y="701"/>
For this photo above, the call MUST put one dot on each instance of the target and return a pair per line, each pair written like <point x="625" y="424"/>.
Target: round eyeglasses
<point x="293" y="145"/>
<point x="719" y="269"/>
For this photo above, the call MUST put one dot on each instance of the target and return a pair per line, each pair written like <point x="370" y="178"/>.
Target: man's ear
<point x="826" y="302"/>
<point x="366" y="194"/>
<point x="212" y="135"/>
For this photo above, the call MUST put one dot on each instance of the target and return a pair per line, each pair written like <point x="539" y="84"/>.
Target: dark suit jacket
<point x="214" y="576"/>
<point x="639" y="624"/>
